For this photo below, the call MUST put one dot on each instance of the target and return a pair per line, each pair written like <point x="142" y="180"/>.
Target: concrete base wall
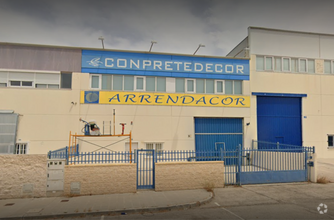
<point x="100" y="179"/>
<point x="189" y="175"/>
<point x="23" y="176"/>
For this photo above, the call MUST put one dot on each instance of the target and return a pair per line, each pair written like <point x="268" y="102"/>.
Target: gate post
<point x="66" y="155"/>
<point x="238" y="165"/>
<point x="306" y="166"/>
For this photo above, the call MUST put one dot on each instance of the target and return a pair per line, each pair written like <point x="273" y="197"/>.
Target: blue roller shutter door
<point x="279" y="119"/>
<point x="211" y="132"/>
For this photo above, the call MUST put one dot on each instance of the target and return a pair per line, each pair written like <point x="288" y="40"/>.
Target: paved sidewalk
<point x="326" y="168"/>
<point x="42" y="208"/>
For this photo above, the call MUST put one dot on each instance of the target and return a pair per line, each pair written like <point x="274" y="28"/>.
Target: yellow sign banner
<point x="170" y="99"/>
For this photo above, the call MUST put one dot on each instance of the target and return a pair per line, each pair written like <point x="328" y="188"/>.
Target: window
<point x="150" y="83"/>
<point x="294" y="65"/>
<point x="161" y="84"/>
<point x="117" y="83"/>
<point x="106" y="82"/>
<point x="237" y="87"/>
<point x="128" y="83"/>
<point x="200" y="86"/>
<point x="190" y="85"/>
<point x="26" y="79"/>
<point x="228" y="87"/>
<point x="66" y="80"/>
<point x="259" y="63"/>
<point x="156" y="84"/>
<point x="330" y="139"/>
<point x="220" y="86"/>
<point x="209" y="86"/>
<point x="140" y="83"/>
<point x="21" y="148"/>
<point x="95" y="81"/>
<point x="328" y="66"/>
<point x="179" y="85"/>
<point x="269" y="63"/>
<point x="310" y="66"/>
<point x="158" y="147"/>
<point x="278" y="64"/>
<point x="21" y="83"/>
<point x="47" y="86"/>
<point x="302" y="65"/>
<point x="286" y="64"/>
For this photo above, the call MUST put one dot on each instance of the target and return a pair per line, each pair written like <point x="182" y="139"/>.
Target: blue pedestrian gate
<point x="145" y="169"/>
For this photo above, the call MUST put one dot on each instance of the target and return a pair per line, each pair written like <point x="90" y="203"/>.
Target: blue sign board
<point x="148" y="64"/>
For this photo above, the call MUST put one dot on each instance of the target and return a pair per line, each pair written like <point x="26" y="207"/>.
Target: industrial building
<point x="274" y="86"/>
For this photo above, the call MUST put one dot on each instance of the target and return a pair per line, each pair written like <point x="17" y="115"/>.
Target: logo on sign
<point x="95" y="62"/>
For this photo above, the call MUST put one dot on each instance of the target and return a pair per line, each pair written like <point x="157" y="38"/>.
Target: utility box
<point x="55" y="177"/>
<point x="312" y="168"/>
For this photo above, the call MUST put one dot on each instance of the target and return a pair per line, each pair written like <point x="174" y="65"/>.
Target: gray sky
<point x="178" y="26"/>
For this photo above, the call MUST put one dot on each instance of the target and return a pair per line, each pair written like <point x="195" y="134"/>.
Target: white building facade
<point x="291" y="71"/>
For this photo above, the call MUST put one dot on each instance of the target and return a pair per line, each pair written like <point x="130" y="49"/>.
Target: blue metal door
<point x="145" y="169"/>
<point x="216" y="134"/>
<point x="279" y="120"/>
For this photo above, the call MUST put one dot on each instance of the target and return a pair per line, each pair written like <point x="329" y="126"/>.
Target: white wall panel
<point x="282" y="43"/>
<point x="327" y="47"/>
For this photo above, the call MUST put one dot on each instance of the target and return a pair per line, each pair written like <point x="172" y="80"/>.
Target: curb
<point x="120" y="212"/>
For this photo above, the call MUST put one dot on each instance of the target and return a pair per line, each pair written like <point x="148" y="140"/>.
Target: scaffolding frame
<point x="74" y="137"/>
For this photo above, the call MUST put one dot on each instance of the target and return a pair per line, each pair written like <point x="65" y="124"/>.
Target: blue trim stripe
<point x="278" y="94"/>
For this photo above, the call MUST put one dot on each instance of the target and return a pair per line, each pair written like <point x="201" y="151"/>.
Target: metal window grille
<point x="21" y="148"/>
<point x="158" y="148"/>
<point x="155" y="146"/>
<point x="330" y="140"/>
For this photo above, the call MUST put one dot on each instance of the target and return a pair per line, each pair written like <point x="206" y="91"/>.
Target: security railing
<point x="265" y="145"/>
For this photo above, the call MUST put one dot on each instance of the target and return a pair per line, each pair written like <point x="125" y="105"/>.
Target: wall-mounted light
<point x="248" y="124"/>
<point x="152" y="42"/>
<point x="200" y="45"/>
<point x="101" y="39"/>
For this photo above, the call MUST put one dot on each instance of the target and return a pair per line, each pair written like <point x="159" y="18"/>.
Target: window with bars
<point x="157" y="146"/>
<point x="21" y="148"/>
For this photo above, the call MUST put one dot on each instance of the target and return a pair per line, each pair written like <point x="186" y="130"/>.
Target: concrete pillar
<point x="312" y="170"/>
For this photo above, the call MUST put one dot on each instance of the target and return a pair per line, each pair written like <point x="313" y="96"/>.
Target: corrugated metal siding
<point x="209" y="131"/>
<point x="279" y="119"/>
<point x="39" y="58"/>
<point x="218" y="125"/>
